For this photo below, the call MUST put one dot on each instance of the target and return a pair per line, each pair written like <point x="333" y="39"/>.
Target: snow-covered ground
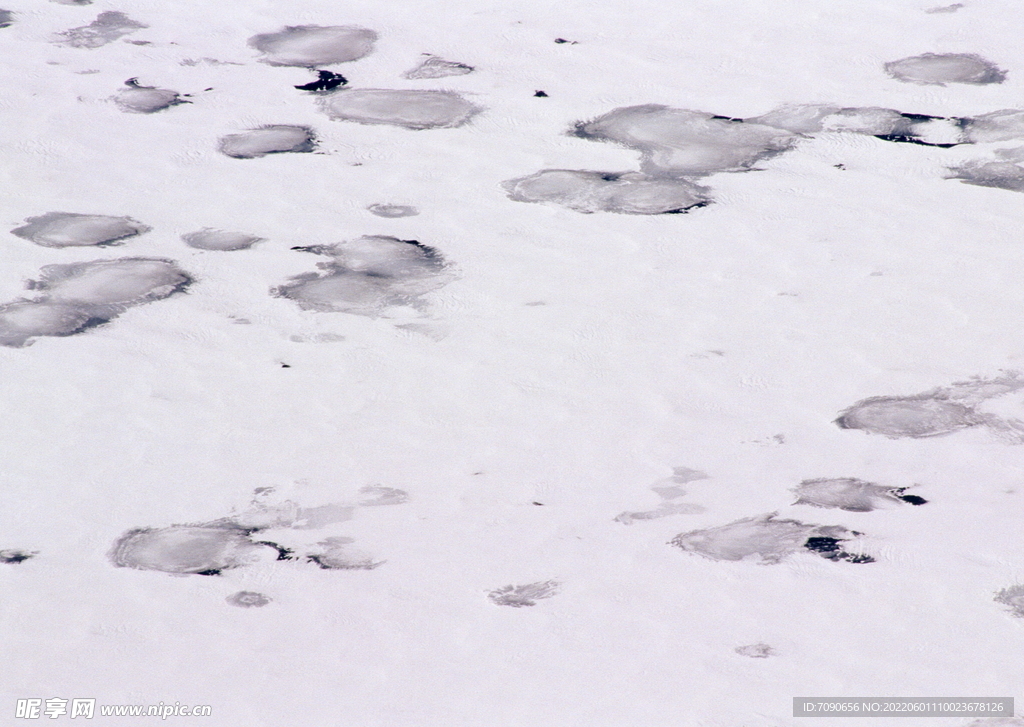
<point x="536" y="364"/>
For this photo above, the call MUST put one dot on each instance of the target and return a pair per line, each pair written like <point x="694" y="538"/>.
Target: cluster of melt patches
<point x="680" y="147"/>
<point x="250" y="538"/>
<point x="366" y="276"/>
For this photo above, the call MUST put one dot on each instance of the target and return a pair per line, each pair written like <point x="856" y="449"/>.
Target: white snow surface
<point x="443" y="489"/>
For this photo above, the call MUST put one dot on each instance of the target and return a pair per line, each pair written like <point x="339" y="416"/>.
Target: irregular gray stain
<point x="380" y="495"/>
<point x="72" y="2"/>
<point x="70" y="229"/>
<point x="247" y="599"/>
<point x="272" y="139"/>
<point x="852" y="495"/>
<point x="410" y="109"/>
<point x="13" y="555"/>
<point x="206" y="61"/>
<point x="1002" y="125"/>
<point x="187" y="549"/>
<point x="897" y="417"/>
<point x="220" y="240"/>
<point x="136" y="99"/>
<point x="367" y="275"/>
<point x="78" y="296"/>
<point x="309" y="46"/>
<point x="628" y="518"/>
<point x="106" y="28"/>
<point x="625" y="193"/>
<point x="679" y="142"/>
<point x="6" y="18"/>
<point x="1014" y="598"/>
<point x="767" y="540"/>
<point x="938" y="69"/>
<point x="756" y="651"/>
<point x="393" y="210"/>
<point x="937" y="412"/>
<point x="338" y="554"/>
<point x="524" y="595"/>
<point x="1005" y="173"/>
<point x="434" y="67"/>
<point x="945" y="8"/>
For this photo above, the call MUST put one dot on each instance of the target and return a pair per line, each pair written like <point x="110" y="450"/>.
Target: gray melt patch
<point x="338" y="554"/>
<point x="1002" y="125"/>
<point x="847" y="493"/>
<point x="409" y="109"/>
<point x="1014" y="598"/>
<point x="393" y="210"/>
<point x="138" y="99"/>
<point x="274" y="139"/>
<point x="6" y="18"/>
<point x="756" y="651"/>
<point x="220" y="240"/>
<point x="945" y="8"/>
<point x="78" y="296"/>
<point x="916" y="417"/>
<point x="679" y="142"/>
<point x="247" y="599"/>
<point x="106" y="28"/>
<point x="367" y="275"/>
<point x="11" y="555"/>
<point x="69" y="229"/>
<point x="187" y="549"/>
<point x="72" y="2"/>
<point x="435" y="67"/>
<point x="524" y="595"/>
<point x="628" y="518"/>
<point x="380" y="495"/>
<point x="1006" y="173"/>
<point x="310" y="46"/>
<point x="766" y="540"/>
<point x="938" y="69"/>
<point x="626" y="193"/>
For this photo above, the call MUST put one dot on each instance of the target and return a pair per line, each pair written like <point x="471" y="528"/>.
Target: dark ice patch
<point x="393" y="210"/>
<point x="367" y="275"/>
<point x="310" y="46"/>
<point x="1014" y="598"/>
<point x="79" y="296"/>
<point x="106" y="28"/>
<point x="524" y="595"/>
<point x="6" y="18"/>
<point x="187" y="549"/>
<point x="945" y="8"/>
<point x="756" y="651"/>
<point x="70" y="229"/>
<point x="326" y="81"/>
<point x="766" y="540"/>
<point x="434" y="67"/>
<point x="247" y="599"/>
<point x="14" y="556"/>
<point x="137" y="99"/>
<point x="410" y="109"/>
<point x="72" y="2"/>
<point x="220" y="240"/>
<point x="272" y="139"/>
<point x="624" y="193"/>
<point x="938" y="69"/>
<point x="850" y="494"/>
